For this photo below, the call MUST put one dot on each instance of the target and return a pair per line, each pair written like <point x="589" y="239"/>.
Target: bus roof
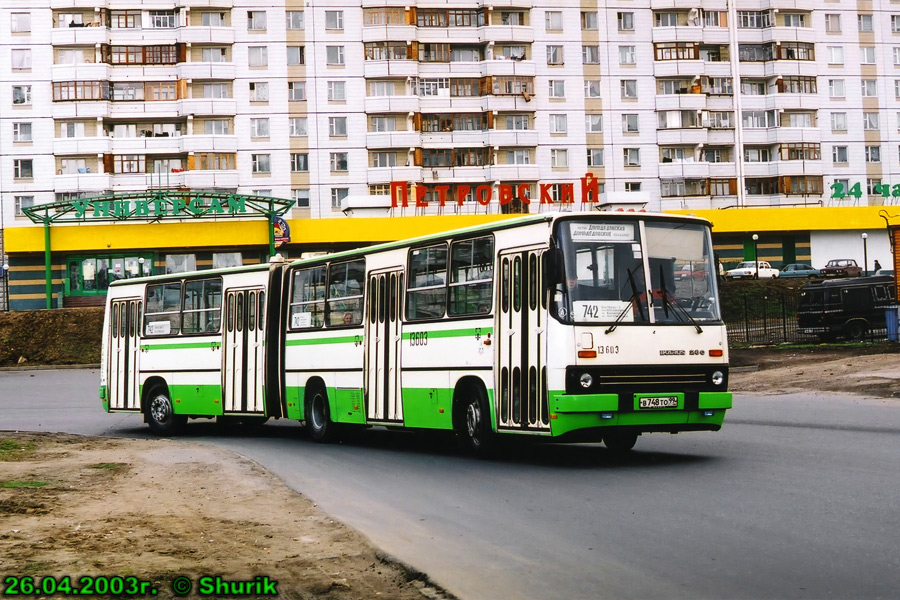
<point x="204" y="273"/>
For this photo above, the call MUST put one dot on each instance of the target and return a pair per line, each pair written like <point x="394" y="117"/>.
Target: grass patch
<point x="14" y="450"/>
<point x="36" y="567"/>
<point x="107" y="466"/>
<point x="23" y="484"/>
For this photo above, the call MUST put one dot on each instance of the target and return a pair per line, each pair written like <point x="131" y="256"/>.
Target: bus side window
<point x="163" y="313"/>
<point x="471" y="276"/>
<point x="426" y="292"/>
<point x="308" y="298"/>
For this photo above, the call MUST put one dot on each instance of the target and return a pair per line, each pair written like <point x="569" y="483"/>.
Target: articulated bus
<point x="563" y="326"/>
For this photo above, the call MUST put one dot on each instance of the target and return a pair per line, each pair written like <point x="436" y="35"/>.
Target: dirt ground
<point x="77" y="506"/>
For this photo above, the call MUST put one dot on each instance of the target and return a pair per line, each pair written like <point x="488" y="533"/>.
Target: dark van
<point x="845" y="307"/>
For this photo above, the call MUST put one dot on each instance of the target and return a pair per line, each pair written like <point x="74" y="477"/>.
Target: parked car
<point x="888" y="272"/>
<point x="799" y="270"/>
<point x="688" y="271"/>
<point x="841" y="267"/>
<point x="849" y="308"/>
<point x="747" y="270"/>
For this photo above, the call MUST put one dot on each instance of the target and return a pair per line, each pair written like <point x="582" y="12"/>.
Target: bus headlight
<point x="586" y="380"/>
<point x="718" y="378"/>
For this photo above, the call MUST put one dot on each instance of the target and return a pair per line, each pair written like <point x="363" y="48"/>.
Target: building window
<point x="873" y="186"/>
<point x="163" y="19"/>
<point x="129" y="163"/>
<point x="833" y="23"/>
<point x="553" y="20"/>
<point x="518" y="157"/>
<point x="296" y="55"/>
<point x="591" y="88"/>
<point x="590" y="55"/>
<point x="632" y="186"/>
<point x="338" y="162"/>
<point x="557" y="88"/>
<point x="631" y="157"/>
<point x="21" y="59"/>
<point x="869" y="88"/>
<point x="595" y="157"/>
<point x="629" y="123"/>
<point x="756" y="155"/>
<point x="259" y="91"/>
<point x="558" y="124"/>
<point x="870" y="120"/>
<point x="865" y="23"/>
<point x="559" y="157"/>
<point x="22" y="202"/>
<point x="216" y="127"/>
<point x="836" y="88"/>
<point x="337" y="91"/>
<point x="337" y="126"/>
<point x="294" y="20"/>
<point x="21" y="132"/>
<point x="554" y="55"/>
<point x="666" y="19"/>
<point x="296" y="91"/>
<point x="589" y="21"/>
<point x="839" y="154"/>
<point x="213" y="19"/>
<point x="337" y="196"/>
<point x="867" y="55"/>
<point x="835" y="55"/>
<point x="334" y="55"/>
<point x="301" y="197"/>
<point x="382" y="124"/>
<point x="210" y="55"/>
<point x="626" y="55"/>
<point x="759" y="119"/>
<point x="261" y="163"/>
<point x="839" y="121"/>
<point x="23" y="168"/>
<point x="625" y="21"/>
<point x="299" y="162"/>
<point x="256" y="20"/>
<point x="216" y="90"/>
<point x="334" y="19"/>
<point x="873" y="154"/>
<point x="800" y="119"/>
<point x="259" y="128"/>
<point x="21" y="22"/>
<point x="258" y="56"/>
<point x="297" y="126"/>
<point x="593" y="123"/>
<point x="21" y="94"/>
<point x="628" y="88"/>
<point x="794" y="20"/>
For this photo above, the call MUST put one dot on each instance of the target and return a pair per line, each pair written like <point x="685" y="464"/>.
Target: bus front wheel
<point x="856" y="331"/>
<point x="161" y="415"/>
<point x="620" y="441"/>
<point x="318" y="416"/>
<point x="473" y="424"/>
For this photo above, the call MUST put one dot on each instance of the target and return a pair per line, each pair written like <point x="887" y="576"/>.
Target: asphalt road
<point x="797" y="497"/>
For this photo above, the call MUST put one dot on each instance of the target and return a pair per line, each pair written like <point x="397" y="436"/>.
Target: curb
<point x="25" y="367"/>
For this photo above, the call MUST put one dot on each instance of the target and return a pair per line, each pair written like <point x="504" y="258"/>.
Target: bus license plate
<point x="658" y="402"/>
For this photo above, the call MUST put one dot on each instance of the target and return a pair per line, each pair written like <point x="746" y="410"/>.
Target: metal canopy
<point x="156" y="206"/>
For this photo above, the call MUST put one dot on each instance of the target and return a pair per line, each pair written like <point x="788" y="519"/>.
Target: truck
<point x="849" y="308"/>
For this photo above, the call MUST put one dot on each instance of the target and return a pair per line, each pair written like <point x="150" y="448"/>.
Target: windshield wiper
<point x="634" y="296"/>
<point x="667" y="302"/>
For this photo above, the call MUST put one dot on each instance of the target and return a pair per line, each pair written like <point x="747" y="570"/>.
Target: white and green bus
<point x="564" y="326"/>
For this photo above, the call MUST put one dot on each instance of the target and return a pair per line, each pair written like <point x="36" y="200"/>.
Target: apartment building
<point x="360" y="111"/>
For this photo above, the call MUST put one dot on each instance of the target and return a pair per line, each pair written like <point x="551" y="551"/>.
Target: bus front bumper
<point x="573" y="412"/>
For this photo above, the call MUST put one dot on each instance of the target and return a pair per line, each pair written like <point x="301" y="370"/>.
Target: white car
<point x="747" y="270"/>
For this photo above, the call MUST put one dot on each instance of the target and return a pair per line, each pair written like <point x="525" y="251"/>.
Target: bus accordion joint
<point x="587" y="354"/>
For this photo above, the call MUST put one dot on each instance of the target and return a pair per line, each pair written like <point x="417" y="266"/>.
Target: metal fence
<point x="771" y="319"/>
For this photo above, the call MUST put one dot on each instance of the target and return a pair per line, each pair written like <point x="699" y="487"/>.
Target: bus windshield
<point x="608" y="265"/>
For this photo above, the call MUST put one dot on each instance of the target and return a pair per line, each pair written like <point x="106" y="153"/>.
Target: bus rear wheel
<point x="620" y="441"/>
<point x="856" y="331"/>
<point x="473" y="424"/>
<point x="161" y="415"/>
<point x="318" y="416"/>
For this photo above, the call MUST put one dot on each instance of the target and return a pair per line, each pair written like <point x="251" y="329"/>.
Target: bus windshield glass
<point x="608" y="265"/>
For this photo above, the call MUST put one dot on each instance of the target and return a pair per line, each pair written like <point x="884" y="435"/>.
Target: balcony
<point x="207" y="3"/>
<point x="760" y="169"/>
<point x="207" y="106"/>
<point x="722" y="170"/>
<point x="389" y="174"/>
<point x="509" y="103"/>
<point x="140" y="108"/>
<point x="148" y="36"/>
<point x="687" y="101"/>
<point x="720" y="137"/>
<point x="204" y="70"/>
<point x="790" y="34"/>
<point x="508" y="33"/>
<point x="433" y="104"/>
<point x="512" y="138"/>
<point x="89" y="182"/>
<point x="674" y="68"/>
<point x="681" y="137"/>
<point x="503" y="66"/>
<point x="454" y="139"/>
<point x="145" y="145"/>
<point x="381" y="69"/>
<point x="687" y="33"/>
<point x="80" y="72"/>
<point x="454" y="174"/>
<point x="209" y="143"/>
<point x="80" y="109"/>
<point x="685" y="169"/>
<point x="84" y="145"/>
<point x="211" y="179"/>
<point x="796" y="101"/>
<point x="392" y="104"/>
<point x="393" y="139"/>
<point x="507" y="173"/>
<point x="458" y="35"/>
<point x="61" y="4"/>
<point x="207" y="35"/>
<point x="799" y="168"/>
<point x="687" y="4"/>
<point x="796" y="135"/>
<point x="79" y="36"/>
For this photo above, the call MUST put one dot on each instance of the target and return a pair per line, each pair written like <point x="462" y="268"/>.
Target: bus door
<point x="522" y="337"/>
<point x="243" y="368"/>
<point x="382" y="362"/>
<point x="123" y="376"/>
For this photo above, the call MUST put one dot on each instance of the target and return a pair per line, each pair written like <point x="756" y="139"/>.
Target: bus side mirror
<point x="552" y="266"/>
